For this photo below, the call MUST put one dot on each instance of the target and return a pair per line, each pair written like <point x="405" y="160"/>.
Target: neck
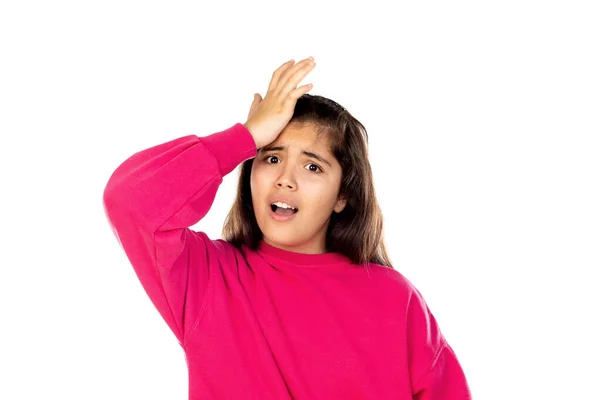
<point x="281" y="256"/>
<point x="312" y="247"/>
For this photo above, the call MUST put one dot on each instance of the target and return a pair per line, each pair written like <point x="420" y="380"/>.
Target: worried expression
<point x="295" y="183"/>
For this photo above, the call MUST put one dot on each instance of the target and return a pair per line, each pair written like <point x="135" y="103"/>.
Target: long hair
<point x="357" y="231"/>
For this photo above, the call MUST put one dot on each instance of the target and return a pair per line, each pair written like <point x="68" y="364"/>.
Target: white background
<point x="483" y="120"/>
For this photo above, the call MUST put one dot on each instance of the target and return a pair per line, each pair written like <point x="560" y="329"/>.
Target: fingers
<point x="291" y="77"/>
<point x="288" y="75"/>
<point x="276" y="75"/>
<point x="297" y="93"/>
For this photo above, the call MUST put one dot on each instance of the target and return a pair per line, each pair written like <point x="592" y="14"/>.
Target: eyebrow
<point x="307" y="153"/>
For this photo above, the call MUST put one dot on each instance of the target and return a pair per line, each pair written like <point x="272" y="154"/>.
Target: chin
<point x="284" y="236"/>
<point x="281" y="237"/>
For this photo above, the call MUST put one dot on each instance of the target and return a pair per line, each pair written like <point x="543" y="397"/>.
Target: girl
<point x="300" y="300"/>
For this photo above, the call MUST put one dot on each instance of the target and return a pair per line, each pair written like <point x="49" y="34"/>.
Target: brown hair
<point x="357" y="231"/>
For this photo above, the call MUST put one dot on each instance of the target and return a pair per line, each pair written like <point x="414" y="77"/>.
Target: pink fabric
<point x="268" y="324"/>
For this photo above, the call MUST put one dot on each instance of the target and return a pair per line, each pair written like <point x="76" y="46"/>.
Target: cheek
<point x="321" y="197"/>
<point x="254" y="188"/>
<point x="259" y="186"/>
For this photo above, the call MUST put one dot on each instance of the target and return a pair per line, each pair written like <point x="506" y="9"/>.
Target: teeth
<point x="283" y="205"/>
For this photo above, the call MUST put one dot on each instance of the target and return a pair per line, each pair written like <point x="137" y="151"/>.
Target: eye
<point x="268" y="158"/>
<point x="318" y="169"/>
<point x="315" y="168"/>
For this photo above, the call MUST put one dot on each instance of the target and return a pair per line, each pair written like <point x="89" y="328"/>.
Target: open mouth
<point x="281" y="209"/>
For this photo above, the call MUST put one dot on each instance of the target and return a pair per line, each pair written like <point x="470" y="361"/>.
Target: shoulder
<point x="390" y="280"/>
<point x="214" y="250"/>
<point x="409" y="303"/>
<point x="394" y="287"/>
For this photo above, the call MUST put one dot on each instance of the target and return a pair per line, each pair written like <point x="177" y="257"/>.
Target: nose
<point x="285" y="183"/>
<point x="286" y="179"/>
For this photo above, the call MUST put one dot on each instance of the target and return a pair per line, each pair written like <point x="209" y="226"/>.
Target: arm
<point x="152" y="199"/>
<point x="445" y="380"/>
<point x="434" y="368"/>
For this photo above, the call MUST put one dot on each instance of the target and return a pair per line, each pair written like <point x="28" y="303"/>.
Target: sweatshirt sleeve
<point x="152" y="199"/>
<point x="434" y="368"/>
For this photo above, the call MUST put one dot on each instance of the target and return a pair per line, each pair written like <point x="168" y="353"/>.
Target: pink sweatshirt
<point x="268" y="324"/>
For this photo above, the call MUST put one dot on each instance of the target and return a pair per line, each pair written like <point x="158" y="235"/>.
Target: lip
<point x="282" y="200"/>
<point x="281" y="218"/>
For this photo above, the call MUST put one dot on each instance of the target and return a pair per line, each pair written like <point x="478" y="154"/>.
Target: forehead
<point x="303" y="136"/>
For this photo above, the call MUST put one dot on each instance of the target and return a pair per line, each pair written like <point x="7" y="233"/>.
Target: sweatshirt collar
<point x="302" y="259"/>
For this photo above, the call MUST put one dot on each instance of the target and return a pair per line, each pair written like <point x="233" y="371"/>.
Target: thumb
<point x="254" y="105"/>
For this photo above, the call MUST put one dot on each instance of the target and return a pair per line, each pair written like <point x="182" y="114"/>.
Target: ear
<point x="340" y="205"/>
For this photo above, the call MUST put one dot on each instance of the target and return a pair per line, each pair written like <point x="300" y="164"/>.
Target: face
<point x="298" y="169"/>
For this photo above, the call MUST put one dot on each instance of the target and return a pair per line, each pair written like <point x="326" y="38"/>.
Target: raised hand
<point x="269" y="116"/>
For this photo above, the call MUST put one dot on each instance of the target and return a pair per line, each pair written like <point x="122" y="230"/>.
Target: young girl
<point x="300" y="300"/>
